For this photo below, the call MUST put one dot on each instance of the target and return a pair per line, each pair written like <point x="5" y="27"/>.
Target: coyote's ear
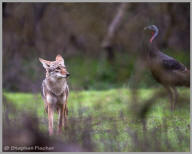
<point x="45" y="63"/>
<point x="60" y="59"/>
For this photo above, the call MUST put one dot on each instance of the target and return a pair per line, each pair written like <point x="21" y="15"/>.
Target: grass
<point x="115" y="125"/>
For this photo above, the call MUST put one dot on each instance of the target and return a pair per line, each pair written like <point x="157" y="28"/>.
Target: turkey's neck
<point x="149" y="48"/>
<point x="154" y="35"/>
<point x="152" y="43"/>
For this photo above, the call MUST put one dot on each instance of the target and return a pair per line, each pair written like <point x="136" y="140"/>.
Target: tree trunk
<point x="107" y="43"/>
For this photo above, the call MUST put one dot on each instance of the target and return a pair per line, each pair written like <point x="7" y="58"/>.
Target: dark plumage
<point x="171" y="64"/>
<point x="165" y="69"/>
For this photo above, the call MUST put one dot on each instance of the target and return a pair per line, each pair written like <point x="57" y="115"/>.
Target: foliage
<point x="77" y="30"/>
<point x="109" y="120"/>
<point x="89" y="73"/>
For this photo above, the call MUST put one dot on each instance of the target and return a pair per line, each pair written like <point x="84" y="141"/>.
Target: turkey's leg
<point x="170" y="96"/>
<point x="175" y="96"/>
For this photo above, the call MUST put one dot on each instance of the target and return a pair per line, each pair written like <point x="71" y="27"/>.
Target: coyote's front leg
<point x="60" y="119"/>
<point x="65" y="113"/>
<point x="50" y="118"/>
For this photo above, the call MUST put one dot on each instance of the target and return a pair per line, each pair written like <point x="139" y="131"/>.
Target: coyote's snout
<point x="55" y="91"/>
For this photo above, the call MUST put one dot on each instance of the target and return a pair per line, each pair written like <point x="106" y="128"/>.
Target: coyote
<point x="55" y="91"/>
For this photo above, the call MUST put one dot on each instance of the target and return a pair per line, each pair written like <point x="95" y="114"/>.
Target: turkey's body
<point x="166" y="70"/>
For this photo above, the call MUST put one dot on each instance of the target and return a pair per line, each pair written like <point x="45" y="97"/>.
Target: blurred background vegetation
<point x="76" y="30"/>
<point x="107" y="112"/>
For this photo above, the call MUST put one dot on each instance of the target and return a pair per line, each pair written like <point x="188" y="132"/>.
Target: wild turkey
<point x="165" y="69"/>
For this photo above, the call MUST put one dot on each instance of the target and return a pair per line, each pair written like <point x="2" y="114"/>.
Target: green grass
<point x="114" y="117"/>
